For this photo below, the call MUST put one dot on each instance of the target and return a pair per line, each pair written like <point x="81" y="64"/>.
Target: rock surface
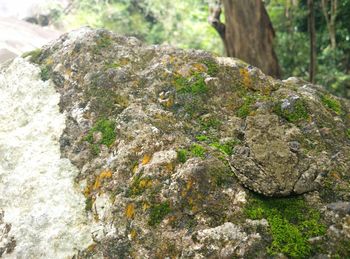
<point x="171" y="146"/>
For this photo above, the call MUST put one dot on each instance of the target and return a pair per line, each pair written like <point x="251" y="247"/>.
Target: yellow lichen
<point x="133" y="234"/>
<point x="97" y="183"/>
<point x="87" y="190"/>
<point x="189" y="185"/>
<point x="170" y="102"/>
<point x="145" y="183"/>
<point x="335" y="175"/>
<point x="145" y="205"/>
<point x="91" y="248"/>
<point x="146" y="159"/>
<point x="169" y="167"/>
<point x="130" y="211"/>
<point x="106" y="174"/>
<point x="198" y="67"/>
<point x="49" y="61"/>
<point x="103" y="175"/>
<point x="247" y="82"/>
<point x="124" y="61"/>
<point x="134" y="169"/>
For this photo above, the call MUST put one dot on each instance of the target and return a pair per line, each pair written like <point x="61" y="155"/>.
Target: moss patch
<point x="182" y="155"/>
<point x="112" y="65"/>
<point x="106" y="127"/>
<point x="197" y="150"/>
<point x="348" y="133"/>
<point x="245" y="108"/>
<point x="297" y="113"/>
<point x="332" y="103"/>
<point x="226" y="147"/>
<point x="192" y="85"/>
<point x="34" y="55"/>
<point x="45" y="72"/>
<point x="212" y="66"/>
<point x="158" y="212"/>
<point x="102" y="42"/>
<point x="291" y="224"/>
<point x="210" y="123"/>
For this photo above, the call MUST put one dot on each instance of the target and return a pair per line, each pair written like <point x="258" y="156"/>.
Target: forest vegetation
<point x="317" y="52"/>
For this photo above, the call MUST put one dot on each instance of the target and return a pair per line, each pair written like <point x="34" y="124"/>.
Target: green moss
<point x="103" y="42"/>
<point x="291" y="224"/>
<point x="104" y="100"/>
<point x="158" y="212"/>
<point x="88" y="204"/>
<point x="226" y="147"/>
<point x="332" y="103"/>
<point x="202" y="138"/>
<point x="212" y="66"/>
<point x="197" y="150"/>
<point x="182" y="155"/>
<point x="210" y="123"/>
<point x="245" y="108"/>
<point x="106" y="127"/>
<point x="34" y="55"/>
<point x="45" y="72"/>
<point x="348" y="133"/>
<point x="192" y="85"/>
<point x="95" y="149"/>
<point x="112" y="65"/>
<point x="296" y="113"/>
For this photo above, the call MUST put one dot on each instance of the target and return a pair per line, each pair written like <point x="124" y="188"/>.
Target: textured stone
<point x="164" y="141"/>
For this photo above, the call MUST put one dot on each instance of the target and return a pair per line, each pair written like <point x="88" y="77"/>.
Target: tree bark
<point x="247" y="33"/>
<point x="330" y="16"/>
<point x="312" y="32"/>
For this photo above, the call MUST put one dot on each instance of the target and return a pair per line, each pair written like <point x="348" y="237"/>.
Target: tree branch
<point x="215" y="11"/>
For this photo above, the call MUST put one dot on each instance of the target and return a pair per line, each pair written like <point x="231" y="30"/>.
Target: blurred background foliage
<point x="184" y="24"/>
<point x="179" y="23"/>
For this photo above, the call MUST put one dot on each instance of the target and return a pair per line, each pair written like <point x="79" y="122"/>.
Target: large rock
<point x="164" y="141"/>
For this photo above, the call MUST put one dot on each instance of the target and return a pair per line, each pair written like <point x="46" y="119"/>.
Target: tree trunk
<point x="330" y="16"/>
<point x="247" y="33"/>
<point x="312" y="32"/>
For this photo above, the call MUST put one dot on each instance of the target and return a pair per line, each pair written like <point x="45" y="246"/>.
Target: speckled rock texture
<point x="172" y="145"/>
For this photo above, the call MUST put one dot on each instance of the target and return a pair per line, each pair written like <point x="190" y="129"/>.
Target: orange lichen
<point x="335" y="175"/>
<point x="146" y="159"/>
<point x="106" y="174"/>
<point x="130" y="211"/>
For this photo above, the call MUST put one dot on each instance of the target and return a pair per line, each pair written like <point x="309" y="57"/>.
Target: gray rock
<point x="170" y="137"/>
<point x="340" y="207"/>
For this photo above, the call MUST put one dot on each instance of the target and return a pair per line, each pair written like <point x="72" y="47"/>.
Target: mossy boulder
<point x="178" y="140"/>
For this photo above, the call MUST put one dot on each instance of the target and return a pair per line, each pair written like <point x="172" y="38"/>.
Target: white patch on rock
<point x="37" y="190"/>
